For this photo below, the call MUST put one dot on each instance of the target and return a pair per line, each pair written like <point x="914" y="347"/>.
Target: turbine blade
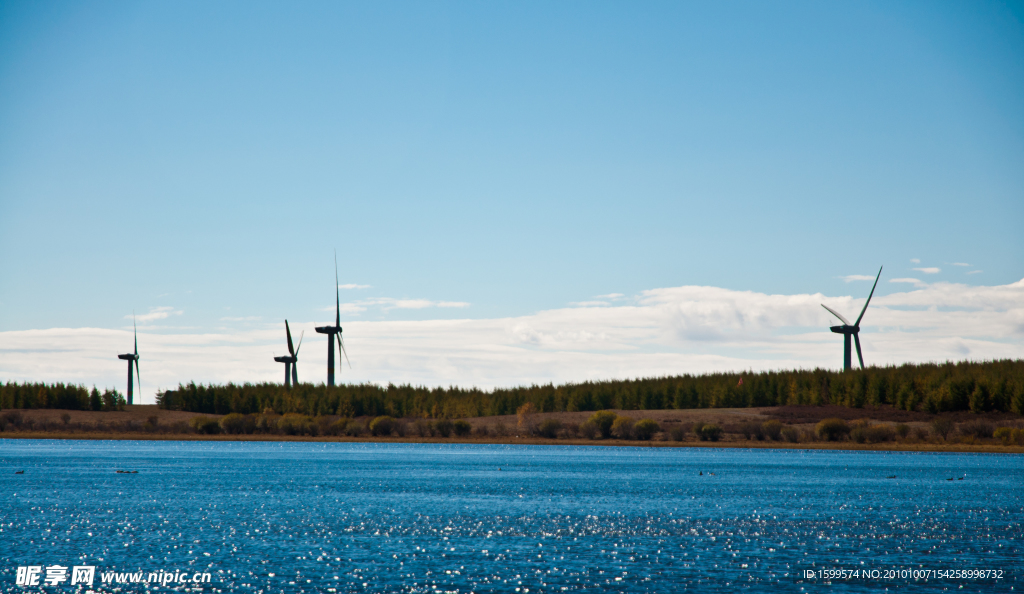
<point x="295" y="373"/>
<point x="836" y="314"/>
<point x="138" y="378"/>
<point x="869" y="297"/>
<point x="296" y="353"/>
<point x="856" y="339"/>
<point x="288" y="332"/>
<point x="135" y="330"/>
<point x="337" y="291"/>
<point x="341" y="343"/>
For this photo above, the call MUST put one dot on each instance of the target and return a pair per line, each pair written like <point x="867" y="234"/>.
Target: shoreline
<point x="761" y="445"/>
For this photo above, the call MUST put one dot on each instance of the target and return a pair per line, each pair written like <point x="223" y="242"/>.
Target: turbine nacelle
<point x="847" y="329"/>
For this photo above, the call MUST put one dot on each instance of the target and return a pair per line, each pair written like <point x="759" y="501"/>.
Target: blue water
<point x="315" y="517"/>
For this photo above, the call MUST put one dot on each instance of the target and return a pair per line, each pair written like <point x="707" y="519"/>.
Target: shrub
<point x="462" y="428"/>
<point x="903" y="430"/>
<point x="623" y="428"/>
<point x="424" y="428"/>
<point x="645" y="429"/>
<point x="549" y="428"/>
<point x="772" y="429"/>
<point x="3" y="423"/>
<point x="590" y="430"/>
<point x="603" y="420"/>
<point x="499" y="429"/>
<point x="1004" y="434"/>
<point x="354" y="428"/>
<point x="205" y="425"/>
<point x="236" y="424"/>
<point x="443" y="427"/>
<point x="752" y="429"/>
<point x="677" y="433"/>
<point x="942" y="427"/>
<point x="382" y="426"/>
<point x="708" y="432"/>
<point x="980" y="429"/>
<point x="337" y="427"/>
<point x="65" y="417"/>
<point x="790" y="434"/>
<point x="296" y="424"/>
<point x="525" y="415"/>
<point x="920" y="434"/>
<point x="401" y="428"/>
<point x="832" y="429"/>
<point x="570" y="430"/>
<point x="880" y="433"/>
<point x="482" y="430"/>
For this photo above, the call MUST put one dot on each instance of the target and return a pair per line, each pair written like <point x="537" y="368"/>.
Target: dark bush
<point x="65" y="417"/>
<point x="499" y="429"/>
<point x="401" y="428"/>
<point x="772" y="429"/>
<point x="880" y="433"/>
<point x="943" y="427"/>
<point x="482" y="430"/>
<point x="236" y="424"/>
<point x="790" y="434"/>
<point x="645" y="429"/>
<point x="677" y="433"/>
<point x="570" y="430"/>
<point x="354" y="428"/>
<point x="978" y="428"/>
<point x="603" y="420"/>
<point x="708" y="431"/>
<point x="443" y="427"/>
<point x="622" y="428"/>
<point x="382" y="426"/>
<point x="903" y="430"/>
<point x="752" y="430"/>
<point x="462" y="428"/>
<point x="832" y="429"/>
<point x="549" y="428"/>
<point x="590" y="430"/>
<point x="204" y="425"/>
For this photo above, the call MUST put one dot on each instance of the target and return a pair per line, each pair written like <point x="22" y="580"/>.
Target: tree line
<point x="59" y="395"/>
<point x="930" y="387"/>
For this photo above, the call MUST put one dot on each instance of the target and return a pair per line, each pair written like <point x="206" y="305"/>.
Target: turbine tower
<point x="335" y="330"/>
<point x="132" y="358"/>
<point x="848" y="329"/>
<point x="291" y="373"/>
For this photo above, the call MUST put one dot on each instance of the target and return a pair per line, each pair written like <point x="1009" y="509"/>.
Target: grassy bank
<point x="793" y="427"/>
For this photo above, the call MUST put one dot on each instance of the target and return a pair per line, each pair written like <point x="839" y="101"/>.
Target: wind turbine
<point x="335" y="330"/>
<point x="291" y="373"/>
<point x="848" y="329"/>
<point x="130" y="358"/>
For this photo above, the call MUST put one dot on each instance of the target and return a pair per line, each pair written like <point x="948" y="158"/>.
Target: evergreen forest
<point x="930" y="387"/>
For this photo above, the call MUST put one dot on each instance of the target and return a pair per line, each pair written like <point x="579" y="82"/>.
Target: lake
<point x="344" y="517"/>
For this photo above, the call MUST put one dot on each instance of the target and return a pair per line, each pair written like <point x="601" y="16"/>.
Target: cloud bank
<point x="690" y="329"/>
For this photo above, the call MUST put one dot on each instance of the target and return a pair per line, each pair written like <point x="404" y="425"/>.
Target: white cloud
<point x="915" y="260"/>
<point x="156" y="313"/>
<point x="353" y="286"/>
<point x="974" y="272"/>
<point x="913" y="281"/>
<point x="960" y="264"/>
<point x="666" y="331"/>
<point x="590" y="304"/>
<point x="610" y="296"/>
<point x="857" y="277"/>
<point x="931" y="270"/>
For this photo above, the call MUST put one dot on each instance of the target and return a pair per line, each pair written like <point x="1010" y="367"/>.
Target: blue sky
<point x="199" y="163"/>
